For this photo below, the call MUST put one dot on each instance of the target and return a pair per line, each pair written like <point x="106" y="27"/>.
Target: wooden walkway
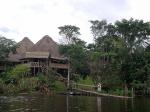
<point x="91" y="90"/>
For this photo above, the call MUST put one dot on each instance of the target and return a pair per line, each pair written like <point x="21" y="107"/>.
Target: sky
<point x="36" y="18"/>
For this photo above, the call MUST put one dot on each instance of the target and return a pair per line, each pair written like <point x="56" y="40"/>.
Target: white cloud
<point x="36" y="18"/>
<point x="139" y="9"/>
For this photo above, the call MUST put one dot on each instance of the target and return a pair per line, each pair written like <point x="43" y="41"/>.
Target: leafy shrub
<point x="28" y="84"/>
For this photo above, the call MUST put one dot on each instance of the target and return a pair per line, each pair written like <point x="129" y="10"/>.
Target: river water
<point x="62" y="103"/>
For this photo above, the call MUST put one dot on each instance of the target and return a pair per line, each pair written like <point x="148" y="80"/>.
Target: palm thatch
<point x="46" y="44"/>
<point x="42" y="49"/>
<point x="24" y="46"/>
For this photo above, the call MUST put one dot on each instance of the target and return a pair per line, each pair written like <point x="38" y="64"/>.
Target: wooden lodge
<point x="39" y="57"/>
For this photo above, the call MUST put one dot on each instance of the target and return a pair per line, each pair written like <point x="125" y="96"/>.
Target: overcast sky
<point x="36" y="18"/>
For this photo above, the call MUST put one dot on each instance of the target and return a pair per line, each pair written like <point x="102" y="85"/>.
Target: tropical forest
<point x="118" y="59"/>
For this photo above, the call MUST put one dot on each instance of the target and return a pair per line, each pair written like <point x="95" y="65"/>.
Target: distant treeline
<point x="119" y="56"/>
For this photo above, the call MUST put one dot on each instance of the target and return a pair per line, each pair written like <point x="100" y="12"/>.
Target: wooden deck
<point x="100" y="94"/>
<point x="58" y="65"/>
<point x="34" y="64"/>
<point x="53" y="65"/>
<point x="91" y="90"/>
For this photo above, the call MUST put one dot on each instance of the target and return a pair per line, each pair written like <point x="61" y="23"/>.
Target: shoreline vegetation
<point x="118" y="59"/>
<point x="42" y="85"/>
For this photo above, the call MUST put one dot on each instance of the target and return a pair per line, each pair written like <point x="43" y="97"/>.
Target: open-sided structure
<point x="40" y="56"/>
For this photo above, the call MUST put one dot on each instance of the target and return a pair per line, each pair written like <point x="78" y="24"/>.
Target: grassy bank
<point x="86" y="81"/>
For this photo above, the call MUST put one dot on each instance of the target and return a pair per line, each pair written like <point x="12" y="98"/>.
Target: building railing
<point x="34" y="64"/>
<point x="53" y="65"/>
<point x="84" y="87"/>
<point x="58" y="65"/>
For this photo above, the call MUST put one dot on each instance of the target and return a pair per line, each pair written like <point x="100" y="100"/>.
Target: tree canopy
<point x="74" y="49"/>
<point x="69" y="33"/>
<point x="6" y="46"/>
<point x="120" y="49"/>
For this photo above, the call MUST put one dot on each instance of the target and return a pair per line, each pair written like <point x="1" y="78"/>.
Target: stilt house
<point x="40" y="56"/>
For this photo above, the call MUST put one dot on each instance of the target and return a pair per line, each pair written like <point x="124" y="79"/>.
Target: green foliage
<point x="87" y="81"/>
<point x="60" y="86"/>
<point x="6" y="46"/>
<point x="120" y="53"/>
<point x="74" y="49"/>
<point x="17" y="80"/>
<point x="69" y="33"/>
<point x="24" y="85"/>
<point x="1" y="86"/>
<point x="77" y="56"/>
<point x="6" y="75"/>
<point x="19" y="71"/>
<point x="111" y="80"/>
<point x="47" y="80"/>
<point x="28" y="84"/>
<point x="133" y="32"/>
<point x="14" y="74"/>
<point x="138" y="84"/>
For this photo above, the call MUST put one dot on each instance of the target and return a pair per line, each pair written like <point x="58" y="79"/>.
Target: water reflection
<point x="99" y="104"/>
<point x="67" y="103"/>
<point x="62" y="103"/>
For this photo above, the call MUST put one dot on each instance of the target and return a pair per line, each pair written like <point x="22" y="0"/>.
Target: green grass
<point x="86" y="81"/>
<point x="60" y="86"/>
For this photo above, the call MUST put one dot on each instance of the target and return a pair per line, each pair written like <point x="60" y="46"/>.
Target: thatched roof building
<point x="23" y="46"/>
<point x="45" y="47"/>
<point x="46" y="44"/>
<point x="40" y="56"/>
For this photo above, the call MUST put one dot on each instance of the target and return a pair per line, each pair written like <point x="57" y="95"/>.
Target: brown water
<point x="62" y="103"/>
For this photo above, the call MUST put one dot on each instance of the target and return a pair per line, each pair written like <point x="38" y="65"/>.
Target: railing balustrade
<point x="34" y="64"/>
<point x="41" y="64"/>
<point x="58" y="65"/>
<point x="84" y="87"/>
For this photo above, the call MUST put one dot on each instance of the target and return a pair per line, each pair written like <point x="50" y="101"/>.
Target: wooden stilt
<point x="38" y="66"/>
<point x="34" y="71"/>
<point x="68" y="78"/>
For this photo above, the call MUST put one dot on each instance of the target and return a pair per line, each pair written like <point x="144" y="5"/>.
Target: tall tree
<point x="134" y="33"/>
<point x="74" y="49"/>
<point x="69" y="33"/>
<point x="118" y="43"/>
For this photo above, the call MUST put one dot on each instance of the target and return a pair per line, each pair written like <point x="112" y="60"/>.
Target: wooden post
<point x="126" y="90"/>
<point x="38" y="66"/>
<point x="34" y="70"/>
<point x="132" y="92"/>
<point x="47" y="68"/>
<point x="99" y="104"/>
<point x="67" y="101"/>
<point x="68" y="78"/>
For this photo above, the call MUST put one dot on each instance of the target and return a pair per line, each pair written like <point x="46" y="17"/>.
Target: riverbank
<point x="42" y="85"/>
<point x="94" y="93"/>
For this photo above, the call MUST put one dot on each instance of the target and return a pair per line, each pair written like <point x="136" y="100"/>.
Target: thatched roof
<point x="44" y="55"/>
<point x="24" y="46"/>
<point x="46" y="44"/>
<point x="14" y="57"/>
<point x="44" y="48"/>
